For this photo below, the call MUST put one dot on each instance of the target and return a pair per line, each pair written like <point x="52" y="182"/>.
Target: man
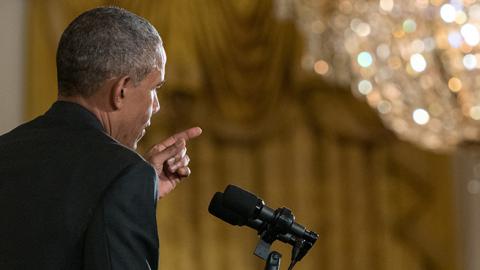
<point x="73" y="193"/>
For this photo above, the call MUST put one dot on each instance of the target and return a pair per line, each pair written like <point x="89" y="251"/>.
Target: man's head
<point x="103" y="43"/>
<point x="112" y="57"/>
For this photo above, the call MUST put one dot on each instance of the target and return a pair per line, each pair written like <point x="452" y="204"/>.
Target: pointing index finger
<point x="188" y="134"/>
<point x="185" y="135"/>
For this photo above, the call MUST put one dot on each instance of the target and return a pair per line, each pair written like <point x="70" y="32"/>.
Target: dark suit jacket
<point x="71" y="197"/>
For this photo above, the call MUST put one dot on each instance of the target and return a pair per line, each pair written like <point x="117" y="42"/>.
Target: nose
<point x="156" y="103"/>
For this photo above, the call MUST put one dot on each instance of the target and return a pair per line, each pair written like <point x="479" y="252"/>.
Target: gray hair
<point x="104" y="43"/>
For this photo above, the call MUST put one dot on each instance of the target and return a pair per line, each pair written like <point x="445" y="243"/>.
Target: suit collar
<point x="74" y="114"/>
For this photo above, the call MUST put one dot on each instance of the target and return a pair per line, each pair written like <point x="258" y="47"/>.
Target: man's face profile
<point x="141" y="102"/>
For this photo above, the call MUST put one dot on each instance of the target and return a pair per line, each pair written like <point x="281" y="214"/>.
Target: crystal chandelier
<point x="416" y="62"/>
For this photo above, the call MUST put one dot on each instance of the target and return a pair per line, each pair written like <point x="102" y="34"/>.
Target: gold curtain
<point x="233" y="70"/>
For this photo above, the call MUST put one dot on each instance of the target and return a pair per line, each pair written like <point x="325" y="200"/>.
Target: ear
<point x="118" y="91"/>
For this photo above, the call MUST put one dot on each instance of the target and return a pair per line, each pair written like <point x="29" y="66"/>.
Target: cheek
<point x="148" y="107"/>
<point x="144" y="108"/>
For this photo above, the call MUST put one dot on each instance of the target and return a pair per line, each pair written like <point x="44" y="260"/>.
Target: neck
<point x="95" y="107"/>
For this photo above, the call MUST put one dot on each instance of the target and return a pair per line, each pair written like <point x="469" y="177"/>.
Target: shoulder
<point x="132" y="170"/>
<point x="113" y="154"/>
<point x="72" y="152"/>
<point x="138" y="168"/>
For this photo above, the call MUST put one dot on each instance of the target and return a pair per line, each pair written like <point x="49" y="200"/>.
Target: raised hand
<point x="170" y="159"/>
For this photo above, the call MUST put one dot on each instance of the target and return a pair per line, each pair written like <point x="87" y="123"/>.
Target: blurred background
<point x="360" y="116"/>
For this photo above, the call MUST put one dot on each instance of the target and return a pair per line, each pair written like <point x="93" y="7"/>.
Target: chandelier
<point x="416" y="62"/>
